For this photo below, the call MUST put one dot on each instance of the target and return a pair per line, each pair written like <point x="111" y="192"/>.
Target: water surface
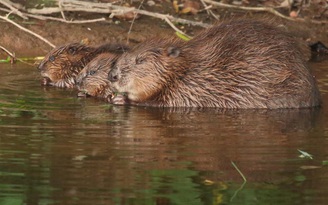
<point x="58" y="149"/>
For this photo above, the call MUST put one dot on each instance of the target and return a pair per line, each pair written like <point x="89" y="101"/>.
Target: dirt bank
<point x="58" y="33"/>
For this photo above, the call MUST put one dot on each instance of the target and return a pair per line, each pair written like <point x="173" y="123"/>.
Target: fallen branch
<point x="12" y="58"/>
<point x="265" y="9"/>
<point x="60" y="6"/>
<point x="73" y="5"/>
<point x="64" y="20"/>
<point x="40" y="17"/>
<point x="208" y="10"/>
<point x="26" y="30"/>
<point x="12" y="55"/>
<point x="12" y="7"/>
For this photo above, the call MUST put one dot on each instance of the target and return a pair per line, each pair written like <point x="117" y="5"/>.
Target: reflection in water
<point x="57" y="149"/>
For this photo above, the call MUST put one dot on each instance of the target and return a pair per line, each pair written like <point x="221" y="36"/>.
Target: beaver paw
<point x="45" y="81"/>
<point x="119" y="100"/>
<point x="82" y="94"/>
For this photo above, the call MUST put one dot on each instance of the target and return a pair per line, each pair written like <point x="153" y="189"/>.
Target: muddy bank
<point x="24" y="44"/>
<point x="58" y="33"/>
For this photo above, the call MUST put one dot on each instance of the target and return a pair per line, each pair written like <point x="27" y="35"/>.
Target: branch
<point x="73" y="5"/>
<point x="26" y="30"/>
<point x="40" y="17"/>
<point x="208" y="10"/>
<point x="13" y="8"/>
<point x="12" y="55"/>
<point x="266" y="9"/>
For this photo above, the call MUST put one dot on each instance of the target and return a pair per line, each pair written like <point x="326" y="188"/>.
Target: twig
<point x="13" y="8"/>
<point x="66" y="21"/>
<point x="27" y="30"/>
<point x="175" y="28"/>
<point x="208" y="10"/>
<point x="73" y="5"/>
<point x="40" y="17"/>
<point x="133" y="20"/>
<point x="267" y="9"/>
<point x="241" y="174"/>
<point x="60" y="6"/>
<point x="12" y="55"/>
<point x="242" y="186"/>
<point x="171" y="18"/>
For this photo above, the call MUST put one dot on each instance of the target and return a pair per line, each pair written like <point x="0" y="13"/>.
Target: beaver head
<point x="92" y="80"/>
<point x="143" y="72"/>
<point x="62" y="64"/>
<point x="96" y="85"/>
<point x="101" y="61"/>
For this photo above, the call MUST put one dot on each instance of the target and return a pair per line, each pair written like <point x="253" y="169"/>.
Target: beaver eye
<point x="140" y="60"/>
<point x="52" y="58"/>
<point x="91" y="72"/>
<point x="72" y="51"/>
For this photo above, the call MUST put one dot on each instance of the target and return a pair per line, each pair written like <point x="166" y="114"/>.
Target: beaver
<point x="92" y="80"/>
<point x="233" y="64"/>
<point x="61" y="65"/>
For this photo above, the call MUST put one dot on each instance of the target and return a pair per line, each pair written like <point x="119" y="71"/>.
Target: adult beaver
<point x="61" y="65"/>
<point x="234" y="64"/>
<point x="92" y="80"/>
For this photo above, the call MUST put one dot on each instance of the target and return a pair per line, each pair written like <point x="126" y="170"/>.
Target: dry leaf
<point x="128" y="16"/>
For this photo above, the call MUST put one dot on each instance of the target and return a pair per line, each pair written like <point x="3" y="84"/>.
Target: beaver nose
<point x="113" y="75"/>
<point x="39" y="67"/>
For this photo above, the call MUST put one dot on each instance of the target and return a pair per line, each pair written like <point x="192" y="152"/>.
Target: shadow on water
<point x="58" y="149"/>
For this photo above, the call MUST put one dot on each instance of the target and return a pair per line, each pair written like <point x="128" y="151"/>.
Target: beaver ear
<point x="173" y="52"/>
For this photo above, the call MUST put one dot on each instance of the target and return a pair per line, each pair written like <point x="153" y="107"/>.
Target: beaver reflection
<point x="138" y="142"/>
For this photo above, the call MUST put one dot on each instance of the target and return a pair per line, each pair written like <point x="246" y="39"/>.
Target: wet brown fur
<point x="61" y="65"/>
<point x="234" y="64"/>
<point x="92" y="80"/>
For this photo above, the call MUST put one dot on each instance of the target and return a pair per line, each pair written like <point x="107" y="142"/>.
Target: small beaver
<point x="61" y="65"/>
<point x="92" y="80"/>
<point x="234" y="64"/>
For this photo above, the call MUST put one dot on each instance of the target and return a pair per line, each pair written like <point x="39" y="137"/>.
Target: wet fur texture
<point x="61" y="65"/>
<point x="92" y="80"/>
<point x="234" y="64"/>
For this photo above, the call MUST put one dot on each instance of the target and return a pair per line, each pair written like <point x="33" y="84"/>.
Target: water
<point x="58" y="149"/>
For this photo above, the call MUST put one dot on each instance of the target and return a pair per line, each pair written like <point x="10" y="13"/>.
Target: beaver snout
<point x="45" y="81"/>
<point x="82" y="94"/>
<point x="113" y="75"/>
<point x="40" y="67"/>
